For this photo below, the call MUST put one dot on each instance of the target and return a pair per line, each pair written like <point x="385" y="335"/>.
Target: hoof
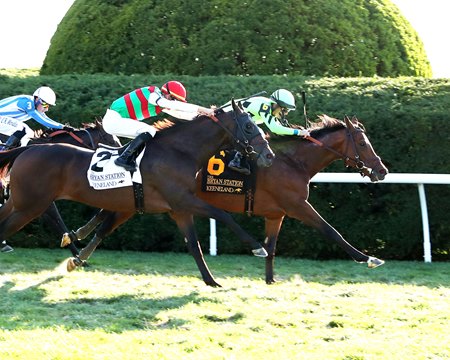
<point x="73" y="263"/>
<point x="6" y="249"/>
<point x="373" y="262"/>
<point x="261" y="252"/>
<point x="65" y="240"/>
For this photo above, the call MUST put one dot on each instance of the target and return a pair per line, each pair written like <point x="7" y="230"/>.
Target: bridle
<point x="353" y="162"/>
<point x="243" y="143"/>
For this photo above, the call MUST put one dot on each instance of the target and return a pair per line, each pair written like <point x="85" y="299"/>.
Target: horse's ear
<point x="236" y="108"/>
<point x="348" y="122"/>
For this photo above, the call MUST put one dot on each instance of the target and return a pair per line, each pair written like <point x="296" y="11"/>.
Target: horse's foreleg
<point x="110" y="223"/>
<point x="310" y="217"/>
<point x="201" y="208"/>
<point x="272" y="230"/>
<point x="53" y="218"/>
<point x="185" y="223"/>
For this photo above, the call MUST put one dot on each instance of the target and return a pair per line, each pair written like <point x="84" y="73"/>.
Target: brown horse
<point x="283" y="189"/>
<point x="169" y="165"/>
<point x="88" y="137"/>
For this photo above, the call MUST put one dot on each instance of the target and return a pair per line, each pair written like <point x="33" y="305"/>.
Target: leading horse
<point x="283" y="189"/>
<point x="169" y="165"/>
<point x="89" y="136"/>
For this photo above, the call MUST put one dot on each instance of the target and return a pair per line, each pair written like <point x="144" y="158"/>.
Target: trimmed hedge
<point x="407" y="121"/>
<point x="234" y="37"/>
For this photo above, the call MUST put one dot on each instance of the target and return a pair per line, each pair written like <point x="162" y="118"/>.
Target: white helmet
<point x="284" y="98"/>
<point x="46" y="94"/>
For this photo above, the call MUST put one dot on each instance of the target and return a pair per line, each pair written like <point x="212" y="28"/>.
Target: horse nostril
<point x="270" y="156"/>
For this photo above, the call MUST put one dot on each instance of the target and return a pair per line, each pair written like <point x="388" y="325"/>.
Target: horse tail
<point x="7" y="159"/>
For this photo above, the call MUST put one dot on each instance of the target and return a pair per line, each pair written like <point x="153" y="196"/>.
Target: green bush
<point x="233" y="37"/>
<point x="407" y="122"/>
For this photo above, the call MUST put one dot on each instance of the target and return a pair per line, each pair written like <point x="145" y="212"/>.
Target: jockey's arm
<point x="45" y="120"/>
<point x="190" y="110"/>
<point x="274" y="125"/>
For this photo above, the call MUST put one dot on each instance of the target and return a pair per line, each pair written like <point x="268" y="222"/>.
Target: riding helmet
<point x="45" y="94"/>
<point x="284" y="98"/>
<point x="175" y="89"/>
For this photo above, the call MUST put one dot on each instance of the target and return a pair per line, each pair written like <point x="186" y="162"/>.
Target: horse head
<point x="361" y="155"/>
<point x="250" y="138"/>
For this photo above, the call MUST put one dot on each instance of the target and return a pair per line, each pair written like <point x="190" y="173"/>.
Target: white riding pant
<point x="115" y="124"/>
<point x="9" y="126"/>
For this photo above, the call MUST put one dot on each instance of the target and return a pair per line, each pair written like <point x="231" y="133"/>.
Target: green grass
<point x="131" y="305"/>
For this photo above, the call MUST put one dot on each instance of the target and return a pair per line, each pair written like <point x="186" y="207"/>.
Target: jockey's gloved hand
<point x="303" y="133"/>
<point x="68" y="128"/>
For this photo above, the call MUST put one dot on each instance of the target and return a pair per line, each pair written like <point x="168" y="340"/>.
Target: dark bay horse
<point x="169" y="166"/>
<point x="283" y="189"/>
<point x="88" y="137"/>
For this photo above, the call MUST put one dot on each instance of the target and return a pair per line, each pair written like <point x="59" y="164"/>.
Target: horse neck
<point x="315" y="158"/>
<point x="199" y="139"/>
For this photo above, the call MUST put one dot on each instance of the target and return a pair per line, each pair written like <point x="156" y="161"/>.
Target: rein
<point x="75" y="137"/>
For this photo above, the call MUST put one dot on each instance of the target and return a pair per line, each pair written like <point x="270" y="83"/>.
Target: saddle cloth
<point x="217" y="177"/>
<point x="104" y="174"/>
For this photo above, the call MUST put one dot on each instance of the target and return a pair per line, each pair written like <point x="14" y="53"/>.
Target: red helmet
<point x="175" y="89"/>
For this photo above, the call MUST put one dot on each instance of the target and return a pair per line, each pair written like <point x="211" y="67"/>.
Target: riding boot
<point x="12" y="142"/>
<point x="127" y="159"/>
<point x="236" y="164"/>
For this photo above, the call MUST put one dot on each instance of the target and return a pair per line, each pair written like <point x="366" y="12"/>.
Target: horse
<point x="283" y="189"/>
<point x="169" y="164"/>
<point x="88" y="137"/>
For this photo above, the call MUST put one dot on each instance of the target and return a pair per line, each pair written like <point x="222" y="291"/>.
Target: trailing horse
<point x="88" y="137"/>
<point x="168" y="167"/>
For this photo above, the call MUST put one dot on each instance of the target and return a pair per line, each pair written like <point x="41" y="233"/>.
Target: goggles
<point x="43" y="103"/>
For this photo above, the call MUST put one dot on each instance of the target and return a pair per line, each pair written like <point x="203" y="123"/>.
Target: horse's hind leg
<point x="199" y="207"/>
<point x="16" y="220"/>
<point x="112" y="221"/>
<point x="185" y="223"/>
<point x="53" y="218"/>
<point x="68" y="238"/>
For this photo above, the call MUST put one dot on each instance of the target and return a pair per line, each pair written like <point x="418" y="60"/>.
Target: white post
<point x="212" y="238"/>
<point x="426" y="231"/>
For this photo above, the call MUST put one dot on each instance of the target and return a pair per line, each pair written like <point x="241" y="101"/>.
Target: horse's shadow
<point x="88" y="313"/>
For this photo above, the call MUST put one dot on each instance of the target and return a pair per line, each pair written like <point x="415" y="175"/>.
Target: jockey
<point x="15" y="110"/>
<point x="271" y="112"/>
<point x="124" y="117"/>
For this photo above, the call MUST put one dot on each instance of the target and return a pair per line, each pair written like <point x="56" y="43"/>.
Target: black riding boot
<point x="127" y="159"/>
<point x="13" y="141"/>
<point x="236" y="164"/>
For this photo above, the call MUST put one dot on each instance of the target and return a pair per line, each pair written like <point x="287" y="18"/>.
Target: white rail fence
<point x="400" y="178"/>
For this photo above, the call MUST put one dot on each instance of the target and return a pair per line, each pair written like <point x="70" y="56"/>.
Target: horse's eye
<point x="249" y="126"/>
<point x="362" y="143"/>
